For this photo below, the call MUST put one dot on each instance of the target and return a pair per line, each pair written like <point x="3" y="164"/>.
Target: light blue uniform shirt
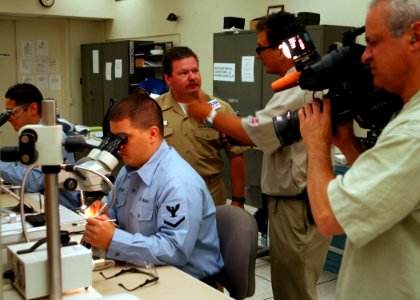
<point x="166" y="216"/>
<point x="13" y="172"/>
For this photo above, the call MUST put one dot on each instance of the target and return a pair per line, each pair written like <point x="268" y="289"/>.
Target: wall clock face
<point x="47" y="3"/>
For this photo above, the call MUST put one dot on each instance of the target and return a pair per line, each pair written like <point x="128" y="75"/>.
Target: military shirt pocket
<point x="167" y="131"/>
<point x="121" y="198"/>
<point x="207" y="134"/>
<point x="143" y="211"/>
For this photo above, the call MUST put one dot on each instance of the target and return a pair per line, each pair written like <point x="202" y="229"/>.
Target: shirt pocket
<point x="207" y="134"/>
<point x="143" y="210"/>
<point x="121" y="198"/>
<point x="142" y="214"/>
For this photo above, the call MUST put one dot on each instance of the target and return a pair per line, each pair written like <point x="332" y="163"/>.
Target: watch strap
<point x="239" y="199"/>
<point x="210" y="118"/>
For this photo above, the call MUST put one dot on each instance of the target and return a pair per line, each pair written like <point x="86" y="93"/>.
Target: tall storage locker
<point x="111" y="70"/>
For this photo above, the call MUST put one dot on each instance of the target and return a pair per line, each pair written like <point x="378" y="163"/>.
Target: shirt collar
<point x="147" y="171"/>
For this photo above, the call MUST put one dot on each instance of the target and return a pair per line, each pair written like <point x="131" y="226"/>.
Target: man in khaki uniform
<point x="199" y="143"/>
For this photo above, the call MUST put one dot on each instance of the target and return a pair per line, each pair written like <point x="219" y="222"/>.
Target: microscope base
<point x="31" y="269"/>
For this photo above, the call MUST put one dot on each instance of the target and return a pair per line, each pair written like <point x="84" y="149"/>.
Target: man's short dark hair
<point x="142" y="110"/>
<point x="25" y="93"/>
<point x="176" y="53"/>
<point x="280" y="26"/>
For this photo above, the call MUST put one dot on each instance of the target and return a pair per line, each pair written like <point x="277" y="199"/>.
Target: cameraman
<point x="297" y="249"/>
<point x="376" y="203"/>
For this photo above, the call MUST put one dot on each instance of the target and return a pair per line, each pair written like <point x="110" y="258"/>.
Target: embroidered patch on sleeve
<point x="253" y="121"/>
<point x="174" y="224"/>
<point x="174" y="220"/>
<point x="215" y="104"/>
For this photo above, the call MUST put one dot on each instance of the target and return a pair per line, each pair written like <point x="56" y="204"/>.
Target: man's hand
<point x="347" y="142"/>
<point x="315" y="128"/>
<point x="317" y="133"/>
<point x="315" y="124"/>
<point x="199" y="109"/>
<point x="99" y="232"/>
<point x="342" y="134"/>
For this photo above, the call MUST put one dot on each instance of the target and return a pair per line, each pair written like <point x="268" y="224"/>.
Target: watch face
<point x="46" y="3"/>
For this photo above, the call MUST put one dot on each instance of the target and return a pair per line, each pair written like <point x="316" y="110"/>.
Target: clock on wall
<point x="47" y="3"/>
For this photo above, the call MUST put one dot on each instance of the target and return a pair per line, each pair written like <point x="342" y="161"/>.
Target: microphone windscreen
<point x="286" y="82"/>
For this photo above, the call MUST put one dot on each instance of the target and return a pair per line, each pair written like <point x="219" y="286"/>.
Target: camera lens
<point x="287" y="127"/>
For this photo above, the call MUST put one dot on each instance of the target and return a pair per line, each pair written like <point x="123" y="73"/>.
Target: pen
<point x="113" y="222"/>
<point x="108" y="220"/>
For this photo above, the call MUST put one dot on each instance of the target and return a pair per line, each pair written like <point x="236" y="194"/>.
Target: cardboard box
<point x="253" y="23"/>
<point x="139" y="62"/>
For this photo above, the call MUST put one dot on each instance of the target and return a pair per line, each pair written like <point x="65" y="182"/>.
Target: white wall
<point x="92" y="9"/>
<point x="146" y="19"/>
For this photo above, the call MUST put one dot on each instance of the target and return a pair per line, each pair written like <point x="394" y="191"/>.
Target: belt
<point x="301" y="196"/>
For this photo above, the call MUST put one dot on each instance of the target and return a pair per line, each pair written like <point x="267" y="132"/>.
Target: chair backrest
<point x="238" y="235"/>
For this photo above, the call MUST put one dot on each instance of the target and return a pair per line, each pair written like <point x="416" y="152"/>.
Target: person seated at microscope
<point x="24" y="100"/>
<point x="165" y="213"/>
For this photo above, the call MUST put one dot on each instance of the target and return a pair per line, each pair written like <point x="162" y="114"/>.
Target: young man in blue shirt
<point x="24" y="101"/>
<point x="163" y="208"/>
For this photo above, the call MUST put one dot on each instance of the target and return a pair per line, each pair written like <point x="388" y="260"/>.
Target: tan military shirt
<point x="199" y="145"/>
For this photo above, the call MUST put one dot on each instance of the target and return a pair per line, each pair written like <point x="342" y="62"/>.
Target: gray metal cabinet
<point x="245" y="97"/>
<point x="325" y="35"/>
<point x="110" y="72"/>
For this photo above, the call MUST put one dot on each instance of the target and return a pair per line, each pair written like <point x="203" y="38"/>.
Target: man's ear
<point x="166" y="77"/>
<point x="33" y="108"/>
<point x="415" y="32"/>
<point x="154" y="134"/>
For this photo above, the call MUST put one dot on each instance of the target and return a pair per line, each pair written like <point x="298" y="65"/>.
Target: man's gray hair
<point x="402" y="13"/>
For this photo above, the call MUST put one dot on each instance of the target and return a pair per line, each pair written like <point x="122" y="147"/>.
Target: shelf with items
<point x="148" y="62"/>
<point x="150" y="55"/>
<point x="148" y="66"/>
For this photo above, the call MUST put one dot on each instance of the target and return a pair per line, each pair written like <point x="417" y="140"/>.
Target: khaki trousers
<point x="217" y="189"/>
<point x="297" y="250"/>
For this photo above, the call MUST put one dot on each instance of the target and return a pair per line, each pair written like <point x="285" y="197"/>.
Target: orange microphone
<point x="286" y="82"/>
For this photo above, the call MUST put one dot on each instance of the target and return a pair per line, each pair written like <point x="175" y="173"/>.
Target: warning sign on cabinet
<point x="224" y="72"/>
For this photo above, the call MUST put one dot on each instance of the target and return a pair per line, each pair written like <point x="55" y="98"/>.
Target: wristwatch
<point x="239" y="199"/>
<point x="210" y="118"/>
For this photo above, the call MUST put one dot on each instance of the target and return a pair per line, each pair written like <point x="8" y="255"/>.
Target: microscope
<point x="92" y="175"/>
<point x="59" y="264"/>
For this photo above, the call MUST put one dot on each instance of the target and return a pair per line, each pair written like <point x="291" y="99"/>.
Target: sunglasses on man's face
<point x="260" y="49"/>
<point x="12" y="112"/>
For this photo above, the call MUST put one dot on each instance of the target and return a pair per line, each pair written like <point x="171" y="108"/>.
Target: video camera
<point x="349" y="83"/>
